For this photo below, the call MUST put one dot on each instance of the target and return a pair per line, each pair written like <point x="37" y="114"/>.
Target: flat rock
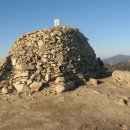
<point x="25" y="74"/>
<point x="25" y="67"/>
<point x="59" y="79"/>
<point x="21" y="87"/>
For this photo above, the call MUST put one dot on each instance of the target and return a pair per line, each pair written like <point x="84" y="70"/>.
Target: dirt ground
<point x="105" y="107"/>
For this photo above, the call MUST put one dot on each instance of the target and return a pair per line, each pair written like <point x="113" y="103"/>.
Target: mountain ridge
<point x="116" y="59"/>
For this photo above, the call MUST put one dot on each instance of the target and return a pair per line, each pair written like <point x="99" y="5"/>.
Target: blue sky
<point x="105" y="22"/>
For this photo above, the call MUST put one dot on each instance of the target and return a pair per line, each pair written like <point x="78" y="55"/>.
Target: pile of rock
<point x="37" y="59"/>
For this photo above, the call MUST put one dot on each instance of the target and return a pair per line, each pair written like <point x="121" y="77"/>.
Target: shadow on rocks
<point x="73" y="81"/>
<point x="7" y="68"/>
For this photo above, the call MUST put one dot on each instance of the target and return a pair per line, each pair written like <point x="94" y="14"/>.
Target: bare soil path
<point x="105" y="107"/>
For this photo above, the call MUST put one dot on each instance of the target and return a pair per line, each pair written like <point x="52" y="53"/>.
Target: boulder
<point x="35" y="86"/>
<point x="92" y="82"/>
<point x="60" y="87"/>
<point x="121" y="77"/>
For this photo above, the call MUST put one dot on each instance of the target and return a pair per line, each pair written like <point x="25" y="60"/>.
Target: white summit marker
<point x="56" y="22"/>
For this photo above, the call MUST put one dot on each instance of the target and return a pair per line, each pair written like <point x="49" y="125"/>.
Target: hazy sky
<point x="105" y="22"/>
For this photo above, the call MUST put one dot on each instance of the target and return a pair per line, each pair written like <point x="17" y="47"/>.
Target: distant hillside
<point x="120" y="66"/>
<point x="116" y="59"/>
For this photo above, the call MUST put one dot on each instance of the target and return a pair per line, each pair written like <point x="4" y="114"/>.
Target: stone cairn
<point x="53" y="60"/>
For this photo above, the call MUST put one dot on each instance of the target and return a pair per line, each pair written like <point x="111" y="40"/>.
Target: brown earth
<point x="105" y="107"/>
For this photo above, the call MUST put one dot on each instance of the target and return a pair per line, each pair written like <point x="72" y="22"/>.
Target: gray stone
<point x="38" y="78"/>
<point x="70" y="85"/>
<point x="92" y="82"/>
<point x="11" y="87"/>
<point x="32" y="76"/>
